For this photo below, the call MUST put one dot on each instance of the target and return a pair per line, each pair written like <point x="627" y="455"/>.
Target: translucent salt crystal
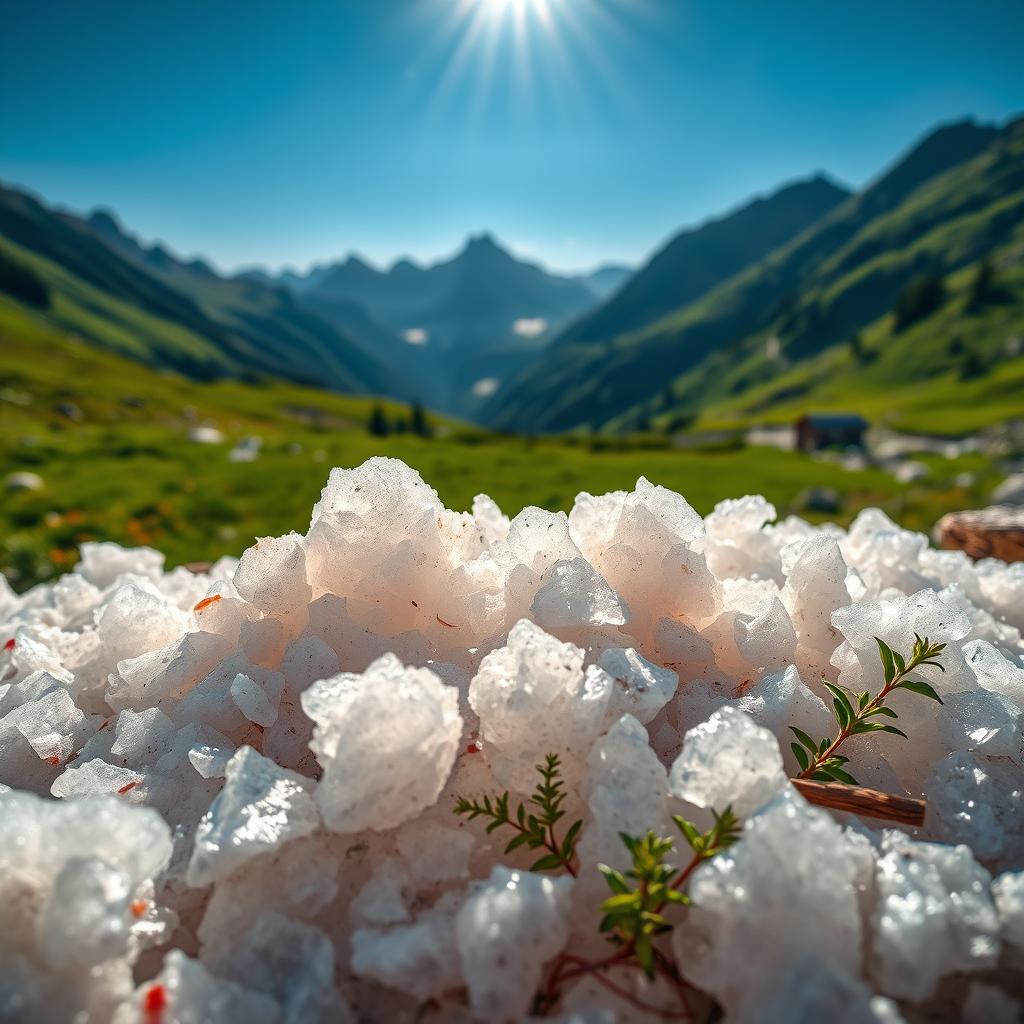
<point x="574" y="594"/>
<point x="252" y="700"/>
<point x="95" y="777"/>
<point x="728" y="760"/>
<point x="788" y="886"/>
<point x="260" y="808"/>
<point x="386" y="740"/>
<point x="52" y="724"/>
<point x="191" y="995"/>
<point x="995" y="672"/>
<point x="435" y="853"/>
<point x="934" y="916"/>
<point x="308" y="659"/>
<point x="420" y="959"/>
<point x="102" y="562"/>
<point x="807" y="990"/>
<point x="211" y="702"/>
<point x="272" y="576"/>
<point x="167" y="673"/>
<point x="981" y="720"/>
<point x="1008" y="892"/>
<point x="85" y="920"/>
<point x="533" y="699"/>
<point x="298" y="881"/>
<point x="506" y="931"/>
<point x="287" y="960"/>
<point x="210" y="762"/>
<point x="977" y="801"/>
<point x="383" y="899"/>
<point x="133" y="621"/>
<point x="626" y="789"/>
<point x="641" y="688"/>
<point x="736" y="543"/>
<point x="141" y="738"/>
<point x="493" y="525"/>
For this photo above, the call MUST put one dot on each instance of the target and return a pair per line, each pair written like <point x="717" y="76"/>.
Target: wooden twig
<point x="869" y="802"/>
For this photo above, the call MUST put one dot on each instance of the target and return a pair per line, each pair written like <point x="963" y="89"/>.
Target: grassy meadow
<point x="110" y="440"/>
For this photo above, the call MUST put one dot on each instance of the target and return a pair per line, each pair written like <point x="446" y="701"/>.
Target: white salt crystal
<point x="420" y="959"/>
<point x="641" y="688"/>
<point x="252" y="700"/>
<point x="386" y="740"/>
<point x="1008" y="892"/>
<point x="505" y="932"/>
<point x="934" y="916"/>
<point x="261" y="807"/>
<point x="210" y="762"/>
<point x="728" y="760"/>
<point x="533" y="698"/>
<point x="194" y="996"/>
<point x="788" y="886"/>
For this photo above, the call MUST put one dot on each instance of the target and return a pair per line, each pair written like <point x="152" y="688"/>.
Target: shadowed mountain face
<point x="674" y="334"/>
<point x="465" y="324"/>
<point x="105" y="287"/>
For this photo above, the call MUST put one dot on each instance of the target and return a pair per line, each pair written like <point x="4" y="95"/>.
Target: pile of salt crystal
<point x="229" y="796"/>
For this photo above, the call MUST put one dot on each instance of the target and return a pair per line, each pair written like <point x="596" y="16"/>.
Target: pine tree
<point x="378" y="424"/>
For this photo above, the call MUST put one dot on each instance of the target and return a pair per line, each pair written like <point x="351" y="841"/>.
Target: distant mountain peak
<point x="105" y="221"/>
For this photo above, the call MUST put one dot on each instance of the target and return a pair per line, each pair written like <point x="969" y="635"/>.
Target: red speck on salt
<point x="53" y="759"/>
<point x="138" y="907"/>
<point x="473" y="748"/>
<point x="206" y="602"/>
<point x="9" y="646"/>
<point x="124" y="789"/>
<point x="154" y="1002"/>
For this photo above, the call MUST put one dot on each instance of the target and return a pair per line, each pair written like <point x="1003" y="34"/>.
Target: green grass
<point x="127" y="472"/>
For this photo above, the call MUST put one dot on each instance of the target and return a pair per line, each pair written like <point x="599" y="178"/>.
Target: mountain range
<point x="725" y="309"/>
<point x="788" y="301"/>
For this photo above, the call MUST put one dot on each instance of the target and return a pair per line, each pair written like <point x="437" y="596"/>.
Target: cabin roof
<point x="834" y="421"/>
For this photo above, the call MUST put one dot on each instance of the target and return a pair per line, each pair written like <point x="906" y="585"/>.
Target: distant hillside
<point x="696" y="260"/>
<point x="104" y="286"/>
<point x="462" y="323"/>
<point x="956" y="196"/>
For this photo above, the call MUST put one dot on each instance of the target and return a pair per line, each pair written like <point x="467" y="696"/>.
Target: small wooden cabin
<point x="823" y="430"/>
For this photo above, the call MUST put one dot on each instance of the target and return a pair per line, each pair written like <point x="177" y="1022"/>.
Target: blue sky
<point x="577" y="130"/>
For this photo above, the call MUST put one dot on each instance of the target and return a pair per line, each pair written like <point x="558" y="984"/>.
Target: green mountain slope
<point x="145" y="303"/>
<point x="694" y="261"/>
<point x="953" y="198"/>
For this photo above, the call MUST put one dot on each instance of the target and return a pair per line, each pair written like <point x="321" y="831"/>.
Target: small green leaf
<point x="888" y="662"/>
<point x="616" y="882"/>
<point x="569" y="842"/>
<point x="882" y="710"/>
<point x="677" y="896"/>
<point x="693" y="837"/>
<point x="548" y="863"/>
<point x="839" y="775"/>
<point x="842" y="715"/>
<point x="804" y="739"/>
<point x="894" y="731"/>
<point x="645" y="954"/>
<point x="516" y="842"/>
<point x="624" y="901"/>
<point x="801" y="755"/>
<point x="901" y="665"/>
<point x="916" y="686"/>
<point x="863" y="699"/>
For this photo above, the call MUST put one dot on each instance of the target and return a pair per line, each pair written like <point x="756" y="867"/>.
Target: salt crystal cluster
<point x="228" y="796"/>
